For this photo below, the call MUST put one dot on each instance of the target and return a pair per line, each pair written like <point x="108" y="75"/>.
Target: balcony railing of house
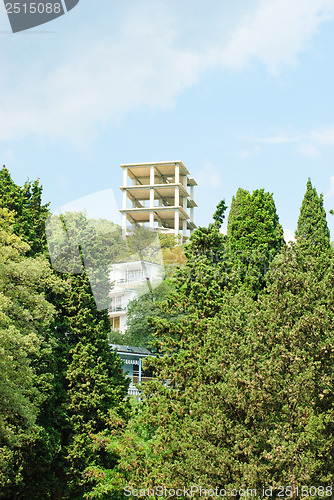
<point x="129" y="279"/>
<point x="133" y="391"/>
<point x="117" y="309"/>
<point x="135" y="379"/>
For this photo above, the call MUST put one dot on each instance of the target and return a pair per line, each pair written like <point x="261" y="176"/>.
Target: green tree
<point x="30" y="214"/>
<point x="91" y="385"/>
<point x="255" y="236"/>
<point x="312" y="230"/>
<point x="198" y="296"/>
<point x="89" y="381"/>
<point x="250" y="395"/>
<point x="65" y="379"/>
<point x="244" y="392"/>
<point x="290" y="372"/>
<point x="26" y="354"/>
<point x="219" y="214"/>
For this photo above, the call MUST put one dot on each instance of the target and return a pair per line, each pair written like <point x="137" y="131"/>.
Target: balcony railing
<point x="135" y="379"/>
<point x="133" y="391"/>
<point x="117" y="309"/>
<point x="130" y="279"/>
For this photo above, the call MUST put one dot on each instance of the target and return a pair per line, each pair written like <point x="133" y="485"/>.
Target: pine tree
<point x="249" y="393"/>
<point x="289" y="370"/>
<point x="89" y="381"/>
<point x="250" y="383"/>
<point x="198" y="298"/>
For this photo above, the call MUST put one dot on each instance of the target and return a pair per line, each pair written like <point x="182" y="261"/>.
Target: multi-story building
<point x="161" y="196"/>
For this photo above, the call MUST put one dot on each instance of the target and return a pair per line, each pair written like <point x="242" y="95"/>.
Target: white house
<point x="130" y="280"/>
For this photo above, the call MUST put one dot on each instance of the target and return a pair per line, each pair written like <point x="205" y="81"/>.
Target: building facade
<point x="159" y="196"/>
<point x="130" y="280"/>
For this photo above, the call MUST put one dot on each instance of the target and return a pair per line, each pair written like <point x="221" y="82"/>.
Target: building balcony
<point x="113" y="313"/>
<point x="135" y="379"/>
<point x="133" y="391"/>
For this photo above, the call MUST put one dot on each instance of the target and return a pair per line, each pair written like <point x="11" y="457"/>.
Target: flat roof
<point x="157" y="163"/>
<point x="166" y="168"/>
<point x="134" y="263"/>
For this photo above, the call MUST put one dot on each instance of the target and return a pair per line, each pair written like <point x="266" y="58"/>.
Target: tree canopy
<point x="255" y="236"/>
<point x="243" y="328"/>
<point x="312" y="230"/>
<point x="243" y="394"/>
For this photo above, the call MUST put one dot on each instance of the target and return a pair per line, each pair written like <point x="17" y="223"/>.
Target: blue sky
<point x="241" y="94"/>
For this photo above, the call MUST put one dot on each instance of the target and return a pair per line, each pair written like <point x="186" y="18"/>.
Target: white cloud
<point x="282" y="138"/>
<point x="249" y="153"/>
<point x="160" y="48"/>
<point x="306" y="143"/>
<point x="277" y="32"/>
<point x="100" y="83"/>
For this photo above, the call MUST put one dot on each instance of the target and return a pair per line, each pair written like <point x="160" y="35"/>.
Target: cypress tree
<point x="255" y="236"/>
<point x="90" y="385"/>
<point x="249" y="399"/>
<point x="312" y="231"/>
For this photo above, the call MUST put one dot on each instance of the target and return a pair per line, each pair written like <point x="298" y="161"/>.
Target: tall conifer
<point x="255" y="236"/>
<point x="312" y="230"/>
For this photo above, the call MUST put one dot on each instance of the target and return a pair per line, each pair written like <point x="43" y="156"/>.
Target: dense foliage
<point x="59" y="379"/>
<point x="243" y="328"/>
<point x="244" y="391"/>
<point x="254" y="237"/>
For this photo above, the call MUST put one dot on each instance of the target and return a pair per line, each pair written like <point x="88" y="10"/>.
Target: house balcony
<point x="135" y="379"/>
<point x="117" y="311"/>
<point x="133" y="390"/>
